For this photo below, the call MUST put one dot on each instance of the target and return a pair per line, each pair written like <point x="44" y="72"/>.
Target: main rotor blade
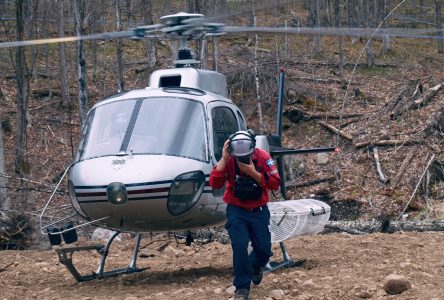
<point x="381" y="32"/>
<point x="97" y="36"/>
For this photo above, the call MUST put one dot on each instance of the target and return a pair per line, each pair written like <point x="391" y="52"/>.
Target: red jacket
<point x="264" y="164"/>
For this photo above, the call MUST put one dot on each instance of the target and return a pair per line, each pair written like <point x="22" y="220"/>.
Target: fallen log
<point x="345" y="124"/>
<point x="335" y="130"/>
<point x="388" y="143"/>
<point x="429" y="95"/>
<point x="403" y="167"/>
<point x="372" y="226"/>
<point x="378" y="165"/>
<point x="295" y="184"/>
<point x="5" y="267"/>
<point x="317" y="80"/>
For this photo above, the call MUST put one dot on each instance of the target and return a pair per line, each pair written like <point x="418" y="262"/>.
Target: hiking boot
<point x="257" y="274"/>
<point x="242" y="294"/>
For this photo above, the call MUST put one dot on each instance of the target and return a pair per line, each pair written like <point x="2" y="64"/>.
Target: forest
<point x="363" y="76"/>
<point x="374" y="91"/>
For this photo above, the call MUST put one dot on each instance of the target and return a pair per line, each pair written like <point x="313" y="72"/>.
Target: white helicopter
<point x="145" y="156"/>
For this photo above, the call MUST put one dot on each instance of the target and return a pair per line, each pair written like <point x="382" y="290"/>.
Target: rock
<point x="396" y="284"/>
<point x="218" y="291"/>
<point x="230" y="291"/>
<point x="294" y="292"/>
<point x="305" y="297"/>
<point x="309" y="284"/>
<point x="298" y="281"/>
<point x="101" y="234"/>
<point x="364" y="294"/>
<point x="277" y="294"/>
<point x="322" y="158"/>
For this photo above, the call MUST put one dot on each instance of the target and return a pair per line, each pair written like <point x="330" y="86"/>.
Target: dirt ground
<point x="338" y="266"/>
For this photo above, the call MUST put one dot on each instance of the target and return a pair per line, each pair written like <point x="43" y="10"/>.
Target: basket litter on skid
<point x="292" y="218"/>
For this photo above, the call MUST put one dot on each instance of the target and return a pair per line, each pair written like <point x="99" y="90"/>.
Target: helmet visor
<point x="241" y="147"/>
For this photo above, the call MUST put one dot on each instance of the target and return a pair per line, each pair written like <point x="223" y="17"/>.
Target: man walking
<point x="249" y="174"/>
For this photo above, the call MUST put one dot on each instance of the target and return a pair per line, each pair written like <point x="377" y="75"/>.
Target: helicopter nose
<point x="117" y="193"/>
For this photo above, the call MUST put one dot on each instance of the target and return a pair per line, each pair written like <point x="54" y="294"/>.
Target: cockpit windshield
<point x="171" y="126"/>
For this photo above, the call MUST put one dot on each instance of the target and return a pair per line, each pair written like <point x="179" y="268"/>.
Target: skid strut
<point x="65" y="257"/>
<point x="287" y="262"/>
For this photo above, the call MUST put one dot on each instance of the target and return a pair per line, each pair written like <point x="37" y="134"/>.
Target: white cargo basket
<point x="292" y="218"/>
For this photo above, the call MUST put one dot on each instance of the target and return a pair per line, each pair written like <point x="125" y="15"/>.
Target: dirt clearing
<point x="338" y="266"/>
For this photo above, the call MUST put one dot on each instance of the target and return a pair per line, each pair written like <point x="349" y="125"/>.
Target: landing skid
<point x="287" y="262"/>
<point x="65" y="257"/>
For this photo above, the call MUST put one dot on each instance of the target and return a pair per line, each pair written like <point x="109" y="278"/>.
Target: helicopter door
<point x="224" y="124"/>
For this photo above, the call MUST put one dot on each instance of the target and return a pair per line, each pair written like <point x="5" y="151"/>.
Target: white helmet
<point x="242" y="143"/>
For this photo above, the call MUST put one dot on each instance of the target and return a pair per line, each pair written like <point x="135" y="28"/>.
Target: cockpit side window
<point x="224" y="125"/>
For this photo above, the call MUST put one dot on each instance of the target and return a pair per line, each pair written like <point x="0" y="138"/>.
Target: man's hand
<point x="225" y="155"/>
<point x="250" y="170"/>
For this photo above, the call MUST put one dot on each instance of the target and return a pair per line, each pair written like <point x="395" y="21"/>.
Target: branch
<point x="417" y="186"/>
<point x="306" y="183"/>
<point x="430" y="94"/>
<point x="363" y="227"/>
<point x="317" y="80"/>
<point x="388" y="143"/>
<point x="378" y="165"/>
<point x="404" y="165"/>
<point x="335" y="130"/>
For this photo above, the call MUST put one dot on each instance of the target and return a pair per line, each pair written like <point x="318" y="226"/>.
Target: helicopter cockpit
<point x="154" y="125"/>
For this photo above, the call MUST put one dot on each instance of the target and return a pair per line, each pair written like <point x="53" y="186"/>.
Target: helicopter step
<point x="65" y="257"/>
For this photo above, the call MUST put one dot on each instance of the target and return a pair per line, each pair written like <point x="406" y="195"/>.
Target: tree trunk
<point x="383" y="14"/>
<point x="338" y="16"/>
<point x="438" y="10"/>
<point x="63" y="70"/>
<point x="29" y="14"/>
<point x="215" y="54"/>
<point x="79" y="10"/>
<point x="368" y="23"/>
<point x="119" y="51"/>
<point x="316" y="8"/>
<point x="150" y="45"/>
<point x="22" y="101"/>
<point x="203" y="53"/>
<point x="256" y="73"/>
<point x="351" y="13"/>
<point x="5" y="200"/>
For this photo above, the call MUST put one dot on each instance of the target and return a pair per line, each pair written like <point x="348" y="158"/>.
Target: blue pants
<point x="243" y="226"/>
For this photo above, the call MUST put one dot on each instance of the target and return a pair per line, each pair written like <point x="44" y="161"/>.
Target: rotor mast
<point x="184" y="26"/>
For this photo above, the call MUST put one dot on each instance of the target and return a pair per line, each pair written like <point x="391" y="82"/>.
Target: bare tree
<point x="63" y="69"/>
<point x="338" y="15"/>
<point x="368" y="22"/>
<point x="5" y="200"/>
<point x="315" y="21"/>
<point x="79" y="12"/>
<point x="438" y="15"/>
<point x="119" y="50"/>
<point x="382" y="15"/>
<point x="22" y="118"/>
<point x="256" y="72"/>
<point x="22" y="91"/>
<point x="150" y="45"/>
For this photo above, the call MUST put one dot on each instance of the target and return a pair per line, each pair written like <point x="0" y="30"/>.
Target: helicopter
<point x="145" y="156"/>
